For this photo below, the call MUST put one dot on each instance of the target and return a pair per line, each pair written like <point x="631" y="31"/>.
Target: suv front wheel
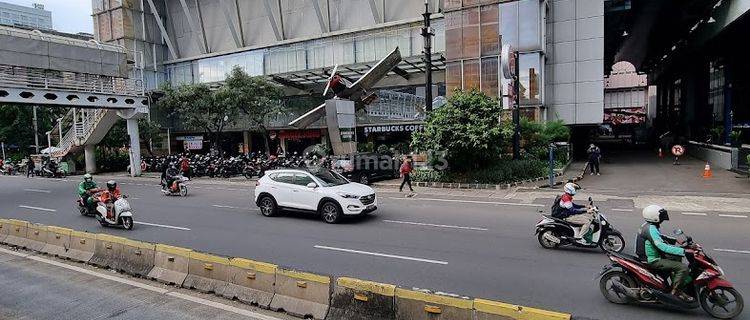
<point x="267" y="206"/>
<point x="331" y="212"/>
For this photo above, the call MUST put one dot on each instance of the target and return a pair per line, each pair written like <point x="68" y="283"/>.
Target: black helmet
<point x="111" y="185"/>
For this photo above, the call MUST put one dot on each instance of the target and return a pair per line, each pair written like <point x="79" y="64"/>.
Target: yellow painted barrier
<point x="418" y="305"/>
<point x="170" y="264"/>
<point x="137" y="257"/>
<point x="495" y="310"/>
<point x="251" y="282"/>
<point x="301" y="294"/>
<point x="360" y="299"/>
<point x="17" y="233"/>
<point x="207" y="273"/>
<point x="82" y="246"/>
<point x="37" y="236"/>
<point x="107" y="251"/>
<point x="4" y="229"/>
<point x="58" y="241"/>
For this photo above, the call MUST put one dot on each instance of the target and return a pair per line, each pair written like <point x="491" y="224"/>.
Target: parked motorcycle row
<point x="49" y="169"/>
<point x="628" y="279"/>
<point x="251" y="165"/>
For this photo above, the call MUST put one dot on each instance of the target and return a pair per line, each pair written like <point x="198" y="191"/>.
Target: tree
<point x="17" y="124"/>
<point x="467" y="129"/>
<point x="255" y="96"/>
<point x="148" y="131"/>
<point x="197" y="106"/>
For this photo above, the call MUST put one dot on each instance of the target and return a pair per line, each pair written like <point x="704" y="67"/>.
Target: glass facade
<point x="314" y="54"/>
<point x="716" y="89"/>
<point x="474" y="36"/>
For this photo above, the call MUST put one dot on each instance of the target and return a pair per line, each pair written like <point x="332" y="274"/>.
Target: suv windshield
<point x="329" y="178"/>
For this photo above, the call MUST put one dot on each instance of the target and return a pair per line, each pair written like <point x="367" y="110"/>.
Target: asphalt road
<point x="465" y="245"/>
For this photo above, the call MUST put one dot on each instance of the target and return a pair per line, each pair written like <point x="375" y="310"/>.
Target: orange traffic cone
<point x="661" y="155"/>
<point x="707" y="171"/>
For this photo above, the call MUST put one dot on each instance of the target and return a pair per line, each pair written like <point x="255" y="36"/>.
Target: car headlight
<point x="347" y="195"/>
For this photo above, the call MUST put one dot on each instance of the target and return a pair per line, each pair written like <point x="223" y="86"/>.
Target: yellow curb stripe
<point x="209" y="258"/>
<point x="109" y="238"/>
<point x="304" y="276"/>
<point x="516" y="311"/>
<point x="138" y="244"/>
<point x="59" y="230"/>
<point x="258" y="266"/>
<point x="178" y="251"/>
<point x="382" y="289"/>
<point x="19" y="223"/>
<point x="82" y="234"/>
<point x="434" y="298"/>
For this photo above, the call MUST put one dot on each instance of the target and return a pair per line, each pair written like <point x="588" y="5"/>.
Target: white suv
<point x="315" y="190"/>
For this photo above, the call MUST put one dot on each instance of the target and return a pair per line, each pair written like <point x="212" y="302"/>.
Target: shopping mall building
<point x="295" y="43"/>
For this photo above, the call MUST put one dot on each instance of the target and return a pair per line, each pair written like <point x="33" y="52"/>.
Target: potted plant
<point x="735" y="138"/>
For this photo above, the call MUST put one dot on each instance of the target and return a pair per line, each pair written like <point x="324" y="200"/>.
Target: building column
<point x="246" y="142"/>
<point x="89" y="154"/>
<point x="135" y="147"/>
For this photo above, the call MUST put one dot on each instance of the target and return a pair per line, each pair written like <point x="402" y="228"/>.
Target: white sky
<point x="67" y="15"/>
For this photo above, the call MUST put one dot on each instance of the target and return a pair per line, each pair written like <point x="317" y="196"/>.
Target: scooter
<point x="120" y="214"/>
<point x="628" y="279"/>
<point x="553" y="233"/>
<point x="85" y="210"/>
<point x="178" y="186"/>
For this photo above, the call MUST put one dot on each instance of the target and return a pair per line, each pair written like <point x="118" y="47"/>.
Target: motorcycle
<point x="52" y="172"/>
<point x="120" y="212"/>
<point x="85" y="210"/>
<point x="554" y="232"/>
<point x="178" y="186"/>
<point x="628" y="279"/>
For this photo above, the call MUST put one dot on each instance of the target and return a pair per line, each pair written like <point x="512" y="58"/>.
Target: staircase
<point x="85" y="127"/>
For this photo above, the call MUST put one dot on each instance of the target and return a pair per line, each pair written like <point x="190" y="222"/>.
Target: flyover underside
<point x="69" y="98"/>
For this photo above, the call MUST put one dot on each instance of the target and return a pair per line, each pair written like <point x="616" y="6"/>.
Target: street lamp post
<point x="516" y="112"/>
<point x="427" y="35"/>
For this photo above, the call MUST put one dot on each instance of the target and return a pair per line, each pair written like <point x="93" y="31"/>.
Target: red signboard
<point x="300" y="134"/>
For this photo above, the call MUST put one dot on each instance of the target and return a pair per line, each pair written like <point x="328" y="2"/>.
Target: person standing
<point x="595" y="155"/>
<point x="405" y="171"/>
<point x="29" y="167"/>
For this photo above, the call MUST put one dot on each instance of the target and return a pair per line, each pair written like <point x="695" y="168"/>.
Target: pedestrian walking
<point x="405" y="171"/>
<point x="595" y="155"/>
<point x="29" y="167"/>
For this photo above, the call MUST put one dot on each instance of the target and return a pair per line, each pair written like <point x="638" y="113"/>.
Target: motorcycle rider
<point x="574" y="213"/>
<point x="656" y="249"/>
<point x="111" y="194"/>
<point x="169" y="175"/>
<point x="86" y="189"/>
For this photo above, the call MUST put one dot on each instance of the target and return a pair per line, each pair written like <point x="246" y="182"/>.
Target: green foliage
<point x="256" y="97"/>
<point x="716" y="133"/>
<point x="17" y="125"/>
<point x="366" y="147"/>
<point x="748" y="162"/>
<point x="320" y="150"/>
<point x="735" y="136"/>
<point x="117" y="136"/>
<point x="111" y="159"/>
<point x="467" y="128"/>
<point x="504" y="171"/>
<point x="384" y="149"/>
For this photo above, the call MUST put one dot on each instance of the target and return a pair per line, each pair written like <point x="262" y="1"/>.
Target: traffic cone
<point x="707" y="171"/>
<point x="661" y="155"/>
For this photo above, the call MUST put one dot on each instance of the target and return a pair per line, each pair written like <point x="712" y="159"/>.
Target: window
<point x="489" y="76"/>
<point x="529" y="26"/>
<point x="490" y="30"/>
<point x="530" y="68"/>
<point x="471" y="74"/>
<point x="283" y="177"/>
<point x="453" y="36"/>
<point x="716" y="89"/>
<point x="452" y="4"/>
<point x="470" y="32"/>
<point x="509" y="23"/>
<point x="303" y="179"/>
<point x="452" y="77"/>
<point x="329" y="178"/>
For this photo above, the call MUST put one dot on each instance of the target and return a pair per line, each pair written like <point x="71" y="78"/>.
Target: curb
<point x="298" y="293"/>
<point x="456" y="185"/>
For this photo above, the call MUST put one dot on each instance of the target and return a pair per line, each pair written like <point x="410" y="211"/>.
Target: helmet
<point x="111" y="185"/>
<point x="571" y="188"/>
<point x="87" y="177"/>
<point x="655" y="214"/>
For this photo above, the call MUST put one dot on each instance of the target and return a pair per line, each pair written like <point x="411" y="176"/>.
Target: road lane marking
<point x="141" y="285"/>
<point x="224" y="207"/>
<point x="733" y="216"/>
<point x="623" y="210"/>
<point x="732" y="251"/>
<point x="470" y="201"/>
<point x="435" y="225"/>
<point x="694" y="214"/>
<point x="38" y="190"/>
<point x="37" y="208"/>
<point x="161" y="225"/>
<point x="381" y="255"/>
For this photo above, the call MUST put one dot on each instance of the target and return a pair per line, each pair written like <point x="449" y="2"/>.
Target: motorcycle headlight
<point x="347" y="195"/>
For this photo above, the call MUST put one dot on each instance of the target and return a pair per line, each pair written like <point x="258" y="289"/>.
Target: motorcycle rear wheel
<point x="127" y="222"/>
<point x="608" y="290"/>
<point x="547" y="244"/>
<point x="183" y="191"/>
<point x="613" y="242"/>
<point x="714" y="308"/>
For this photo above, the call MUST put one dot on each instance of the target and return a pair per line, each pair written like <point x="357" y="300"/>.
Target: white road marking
<point x="470" y="201"/>
<point x="382" y="255"/>
<point x="37" y="208"/>
<point x="623" y="210"/>
<point x="141" y="285"/>
<point x="732" y="251"/>
<point x="38" y="190"/>
<point x="161" y="225"/>
<point x="225" y="207"/>
<point x="694" y="214"/>
<point x="733" y="216"/>
<point x="435" y="225"/>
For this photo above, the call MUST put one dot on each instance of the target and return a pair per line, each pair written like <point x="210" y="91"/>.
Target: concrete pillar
<point x="246" y="141"/>
<point x="89" y="153"/>
<point x="135" y="147"/>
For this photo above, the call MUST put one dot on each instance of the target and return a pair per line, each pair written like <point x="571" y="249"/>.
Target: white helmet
<point x="655" y="214"/>
<point x="570" y="188"/>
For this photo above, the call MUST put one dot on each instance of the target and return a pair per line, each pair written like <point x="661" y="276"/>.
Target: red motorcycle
<point x="628" y="279"/>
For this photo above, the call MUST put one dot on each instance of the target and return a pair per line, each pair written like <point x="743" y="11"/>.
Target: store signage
<point x="678" y="150"/>
<point x="508" y="62"/>
<point x="394" y="128"/>
<point x="193" y="145"/>
<point x="190" y="138"/>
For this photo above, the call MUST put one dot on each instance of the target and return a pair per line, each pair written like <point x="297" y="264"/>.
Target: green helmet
<point x="87" y="177"/>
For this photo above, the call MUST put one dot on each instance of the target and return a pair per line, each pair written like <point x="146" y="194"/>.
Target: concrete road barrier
<point x="17" y="233"/>
<point x="4" y="229"/>
<point x="359" y="299"/>
<point x="58" y="241"/>
<point x="207" y="273"/>
<point x="417" y="305"/>
<point x="137" y="257"/>
<point x="302" y="294"/>
<point x="495" y="310"/>
<point x="107" y="251"/>
<point x="37" y="236"/>
<point x="251" y="282"/>
<point x="170" y="264"/>
<point x="82" y="245"/>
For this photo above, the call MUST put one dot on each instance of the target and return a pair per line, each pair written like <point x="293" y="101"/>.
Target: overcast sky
<point x="67" y="15"/>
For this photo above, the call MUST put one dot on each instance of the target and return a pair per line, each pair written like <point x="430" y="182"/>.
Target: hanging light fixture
<point x="624" y="33"/>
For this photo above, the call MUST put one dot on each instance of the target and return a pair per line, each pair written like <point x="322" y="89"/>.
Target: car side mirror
<point x="312" y="185"/>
